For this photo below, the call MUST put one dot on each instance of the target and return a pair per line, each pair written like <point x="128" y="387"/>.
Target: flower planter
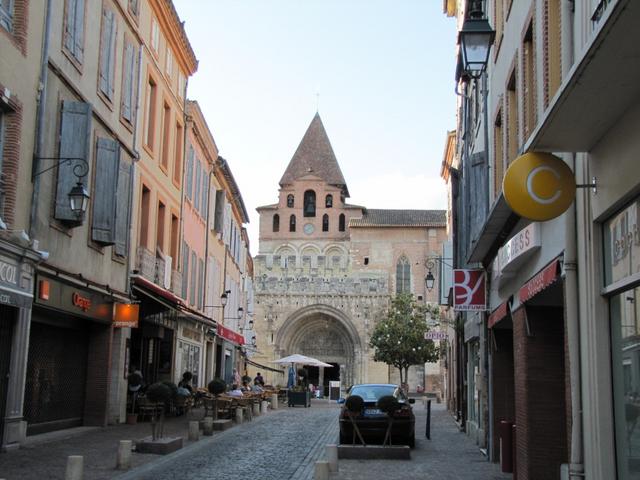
<point x="132" y="418"/>
<point x="299" y="398"/>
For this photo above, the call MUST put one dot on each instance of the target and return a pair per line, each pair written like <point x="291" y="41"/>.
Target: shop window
<point x="290" y="201"/>
<point x="328" y="201"/>
<point x="276" y="223"/>
<point x="309" y="203"/>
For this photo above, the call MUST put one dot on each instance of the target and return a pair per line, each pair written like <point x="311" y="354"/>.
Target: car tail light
<point x="403" y="412"/>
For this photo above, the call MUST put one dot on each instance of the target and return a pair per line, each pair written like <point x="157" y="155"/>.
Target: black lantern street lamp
<point x="430" y="280"/>
<point x="78" y="199"/>
<point x="223" y="300"/>
<point x="476" y="38"/>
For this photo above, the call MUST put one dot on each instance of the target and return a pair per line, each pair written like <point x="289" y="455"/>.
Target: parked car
<point x="373" y="422"/>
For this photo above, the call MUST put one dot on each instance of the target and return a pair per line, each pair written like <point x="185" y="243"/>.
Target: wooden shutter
<point x="103" y="224"/>
<point x="123" y="205"/>
<point x="185" y="270"/>
<point x="192" y="283"/>
<point x="200" y="282"/>
<point x="107" y="51"/>
<point x="75" y="132"/>
<point x="189" y="179"/>
<point x="78" y="43"/>
<point x="203" y="202"/>
<point x="129" y="64"/>
<point x="196" y="193"/>
<point x="70" y="26"/>
<point x="219" y="214"/>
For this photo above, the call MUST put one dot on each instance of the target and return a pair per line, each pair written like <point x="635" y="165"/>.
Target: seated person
<point x="235" y="391"/>
<point x="257" y="388"/>
<point x="185" y="383"/>
<point x="245" y="387"/>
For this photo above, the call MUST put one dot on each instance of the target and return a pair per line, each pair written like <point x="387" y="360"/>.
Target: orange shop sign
<point x="83" y="303"/>
<point x="126" y="315"/>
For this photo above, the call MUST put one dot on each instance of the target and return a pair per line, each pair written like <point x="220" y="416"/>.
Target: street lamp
<point x="79" y="199"/>
<point x="476" y="38"/>
<point x="78" y="195"/>
<point x="223" y="300"/>
<point x="429" y="280"/>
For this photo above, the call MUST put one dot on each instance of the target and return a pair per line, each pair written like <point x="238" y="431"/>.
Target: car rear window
<point x="371" y="393"/>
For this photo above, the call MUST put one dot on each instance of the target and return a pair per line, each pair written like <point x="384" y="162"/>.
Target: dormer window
<point x="290" y="201"/>
<point x="328" y="201"/>
<point x="309" y="203"/>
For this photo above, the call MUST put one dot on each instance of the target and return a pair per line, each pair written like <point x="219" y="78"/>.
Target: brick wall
<point x="18" y="35"/>
<point x="98" y="374"/>
<point x="540" y="392"/>
<point x="503" y="383"/>
<point x="12" y="119"/>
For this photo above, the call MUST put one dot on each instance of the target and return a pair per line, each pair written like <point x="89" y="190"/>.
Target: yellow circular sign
<point x="539" y="186"/>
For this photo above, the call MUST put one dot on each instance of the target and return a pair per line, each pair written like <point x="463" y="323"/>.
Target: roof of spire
<point x="314" y="156"/>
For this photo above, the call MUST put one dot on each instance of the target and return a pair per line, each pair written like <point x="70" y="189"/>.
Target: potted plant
<point x="160" y="394"/>
<point x="389" y="405"/>
<point x="134" y="383"/>
<point x="300" y="395"/>
<point x="216" y="387"/>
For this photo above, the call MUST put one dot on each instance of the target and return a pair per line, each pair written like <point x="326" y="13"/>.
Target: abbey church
<point x="326" y="269"/>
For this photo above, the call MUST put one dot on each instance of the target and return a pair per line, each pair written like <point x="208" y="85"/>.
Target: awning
<point x="498" y="314"/>
<point x="600" y="86"/>
<point x="543" y="279"/>
<point x="256" y="364"/>
<point x="158" y="293"/>
<point x="230" y="335"/>
<point x="496" y="230"/>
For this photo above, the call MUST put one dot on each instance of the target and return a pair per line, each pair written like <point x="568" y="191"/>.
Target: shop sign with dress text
<point x="469" y="290"/>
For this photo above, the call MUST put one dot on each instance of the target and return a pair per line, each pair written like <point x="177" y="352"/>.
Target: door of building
<point x="56" y="377"/>
<point x="7" y="316"/>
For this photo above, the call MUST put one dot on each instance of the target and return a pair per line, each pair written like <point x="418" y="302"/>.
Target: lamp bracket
<point x="593" y="185"/>
<point x="80" y="169"/>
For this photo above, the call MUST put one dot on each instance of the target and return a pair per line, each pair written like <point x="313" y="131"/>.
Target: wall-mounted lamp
<point x="78" y="195"/>
<point x="430" y="264"/>
<point x="223" y="300"/>
<point x="475" y="39"/>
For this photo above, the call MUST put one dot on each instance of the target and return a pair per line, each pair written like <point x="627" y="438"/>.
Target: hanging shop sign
<point x="15" y="285"/>
<point x="126" y="315"/>
<point x="52" y="293"/>
<point x="230" y="335"/>
<point x="519" y="248"/>
<point x="469" y="290"/>
<point x="539" y="186"/>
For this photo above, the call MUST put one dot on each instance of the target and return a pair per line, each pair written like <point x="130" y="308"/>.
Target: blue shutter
<point x="219" y="213"/>
<point x="196" y="193"/>
<point x="185" y="270"/>
<point x="107" y="165"/>
<point x="123" y="205"/>
<point x="106" y="41"/>
<point x="70" y="26"/>
<point x="75" y="134"/>
<point x="205" y="184"/>
<point x="129" y="63"/>
<point x="189" y="179"/>
<point x="78" y="38"/>
<point x="192" y="283"/>
<point x="200" y="282"/>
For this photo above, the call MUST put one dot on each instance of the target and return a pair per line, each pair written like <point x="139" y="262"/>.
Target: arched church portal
<point x="325" y="333"/>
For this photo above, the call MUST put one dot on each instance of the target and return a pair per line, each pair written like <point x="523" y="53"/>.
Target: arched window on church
<point x="290" y="202"/>
<point x="403" y="275"/>
<point x="341" y="222"/>
<point x="276" y="223"/>
<point x="309" y="203"/>
<point x="328" y="201"/>
<point x="292" y="223"/>
<point x="325" y="223"/>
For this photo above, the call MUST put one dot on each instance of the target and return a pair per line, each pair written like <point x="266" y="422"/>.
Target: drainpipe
<point x="40" y="120"/>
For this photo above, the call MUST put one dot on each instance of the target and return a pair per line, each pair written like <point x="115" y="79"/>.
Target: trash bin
<point x="506" y="446"/>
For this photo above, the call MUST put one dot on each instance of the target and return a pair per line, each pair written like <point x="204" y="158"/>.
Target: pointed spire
<point x="314" y="156"/>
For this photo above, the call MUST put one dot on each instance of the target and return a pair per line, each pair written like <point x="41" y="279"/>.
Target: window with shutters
<point x="75" y="135"/>
<point x="134" y="7"/>
<point x="203" y="191"/>
<point x="200" y="282"/>
<point x="498" y="22"/>
<point x="498" y="149"/>
<point x="192" y="280"/>
<point x="185" y="270"/>
<point x="197" y="184"/>
<point x="188" y="187"/>
<point x="155" y="36"/>
<point x="129" y="64"/>
<point x="325" y="223"/>
<point x="6" y="14"/>
<point x="123" y="208"/>
<point x="166" y="136"/>
<point x="160" y="227"/>
<point x="150" y="112"/>
<point x="218" y="221"/>
<point x="552" y="37"/>
<point x="73" y="29"/>
<point x="177" y="162"/>
<point x="175" y="238"/>
<point x="528" y="82"/>
<point x="341" y="223"/>
<point x="276" y="223"/>
<point x="403" y="275"/>
<point x="145" y="205"/>
<point x="107" y="166"/>
<point x="168" y="66"/>
<point x="512" y="118"/>
<point x="292" y="223"/>
<point x="181" y="86"/>
<point x="108" y="34"/>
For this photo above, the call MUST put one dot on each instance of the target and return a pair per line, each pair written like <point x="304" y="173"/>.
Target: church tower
<point x="315" y="292"/>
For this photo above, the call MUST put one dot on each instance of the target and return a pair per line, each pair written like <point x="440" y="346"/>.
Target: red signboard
<point x="230" y="335"/>
<point x="540" y="281"/>
<point x="469" y="290"/>
<point x="498" y="314"/>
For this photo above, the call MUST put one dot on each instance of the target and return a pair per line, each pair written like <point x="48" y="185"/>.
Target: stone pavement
<point x="449" y="455"/>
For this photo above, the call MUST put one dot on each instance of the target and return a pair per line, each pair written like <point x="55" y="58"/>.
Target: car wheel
<point x="412" y="441"/>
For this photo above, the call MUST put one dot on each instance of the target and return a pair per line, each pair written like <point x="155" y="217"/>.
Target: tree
<point x="398" y="339"/>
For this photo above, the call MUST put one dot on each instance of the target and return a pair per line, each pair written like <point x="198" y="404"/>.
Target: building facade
<point x="326" y="270"/>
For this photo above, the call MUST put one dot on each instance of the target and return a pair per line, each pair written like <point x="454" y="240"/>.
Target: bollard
<point x="194" y="431"/>
<point x="239" y="415"/>
<point x="332" y="457"/>
<point x="124" y="455"/>
<point x="256" y="409"/>
<point x="264" y="406"/>
<point x="207" y="426"/>
<point x="428" y="426"/>
<point x="274" y="401"/>
<point x="75" y="467"/>
<point x="322" y="470"/>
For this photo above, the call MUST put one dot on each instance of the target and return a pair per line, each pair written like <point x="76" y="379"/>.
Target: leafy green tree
<point x="398" y="338"/>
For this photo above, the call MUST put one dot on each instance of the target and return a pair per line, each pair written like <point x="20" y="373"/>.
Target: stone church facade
<point x="326" y="270"/>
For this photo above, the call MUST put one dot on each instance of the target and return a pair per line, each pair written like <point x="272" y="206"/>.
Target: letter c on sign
<point x="531" y="177"/>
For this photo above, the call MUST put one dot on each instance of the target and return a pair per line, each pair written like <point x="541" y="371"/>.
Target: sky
<point x="379" y="72"/>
